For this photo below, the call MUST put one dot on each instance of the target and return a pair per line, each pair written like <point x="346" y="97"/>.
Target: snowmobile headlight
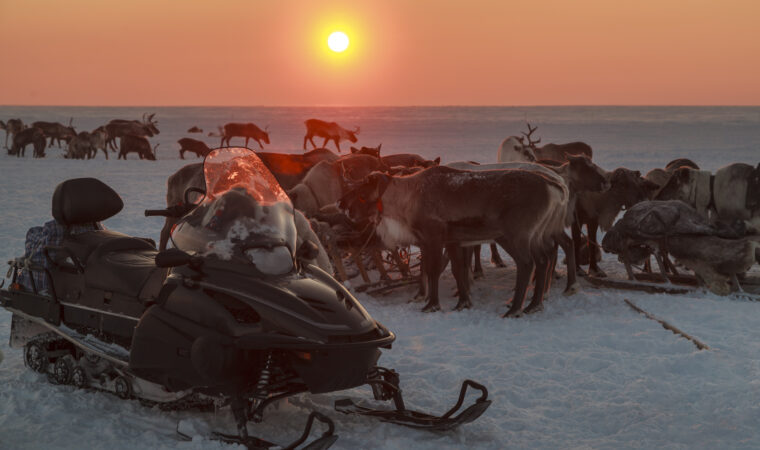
<point x="273" y="261"/>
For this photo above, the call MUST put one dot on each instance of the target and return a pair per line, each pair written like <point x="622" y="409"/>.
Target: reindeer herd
<point x="133" y="137"/>
<point x="531" y="201"/>
<point x="132" y="134"/>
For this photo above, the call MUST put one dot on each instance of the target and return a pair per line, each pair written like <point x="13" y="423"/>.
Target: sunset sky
<point x="421" y="52"/>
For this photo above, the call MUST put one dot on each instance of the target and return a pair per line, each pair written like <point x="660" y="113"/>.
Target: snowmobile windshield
<point x="245" y="214"/>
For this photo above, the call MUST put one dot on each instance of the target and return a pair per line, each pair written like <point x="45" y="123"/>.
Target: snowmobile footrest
<point x="415" y="419"/>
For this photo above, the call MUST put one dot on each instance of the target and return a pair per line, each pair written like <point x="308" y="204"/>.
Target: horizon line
<point x="393" y="106"/>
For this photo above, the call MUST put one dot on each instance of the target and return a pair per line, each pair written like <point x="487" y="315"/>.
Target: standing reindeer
<point x="56" y="131"/>
<point x="246" y="130"/>
<point x="12" y="127"/>
<point x="138" y="144"/>
<point x="331" y="131"/>
<point x="119" y="128"/>
<point x="514" y="149"/>
<point x="28" y="136"/>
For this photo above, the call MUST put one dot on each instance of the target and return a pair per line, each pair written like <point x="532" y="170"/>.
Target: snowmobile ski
<point x="385" y="387"/>
<point x="326" y="440"/>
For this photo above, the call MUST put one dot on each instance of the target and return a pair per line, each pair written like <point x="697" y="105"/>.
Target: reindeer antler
<point x="530" y="132"/>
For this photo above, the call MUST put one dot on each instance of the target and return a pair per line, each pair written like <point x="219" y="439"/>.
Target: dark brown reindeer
<point x="599" y="209"/>
<point x="330" y="131"/>
<point x="193" y="146"/>
<point x="441" y="207"/>
<point x="12" y="127"/>
<point x="138" y="144"/>
<point x="28" y="136"/>
<point x="514" y="148"/>
<point x="246" y="130"/>
<point x="56" y="131"/>
<point x="119" y="128"/>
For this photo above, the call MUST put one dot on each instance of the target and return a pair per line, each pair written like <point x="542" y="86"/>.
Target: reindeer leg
<point x="431" y="260"/>
<point x="593" y="266"/>
<point x="496" y="257"/>
<point x="357" y="257"/>
<point x="541" y="259"/>
<point x="260" y="146"/>
<point x="324" y="145"/>
<point x="458" y="255"/>
<point x="478" y="272"/>
<point x="575" y="228"/>
<point x="523" y="260"/>
<point x="567" y="246"/>
<point x="337" y="144"/>
<point x="378" y="260"/>
<point x="337" y="260"/>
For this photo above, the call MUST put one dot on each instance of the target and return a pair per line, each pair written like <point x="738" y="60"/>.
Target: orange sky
<point x="403" y="52"/>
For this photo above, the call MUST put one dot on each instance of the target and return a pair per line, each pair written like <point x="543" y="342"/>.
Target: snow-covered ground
<point x="588" y="372"/>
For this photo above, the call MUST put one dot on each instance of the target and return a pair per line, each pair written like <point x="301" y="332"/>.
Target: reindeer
<point x="12" y="127"/>
<point x="579" y="174"/>
<point x="98" y="138"/>
<point x="331" y="131"/>
<point x="119" y="128"/>
<point x="138" y="144"/>
<point x="515" y="149"/>
<point x="438" y="207"/>
<point x="246" y="130"/>
<point x="28" y="136"/>
<point x="57" y="131"/>
<point x="193" y="146"/>
<point x="80" y="147"/>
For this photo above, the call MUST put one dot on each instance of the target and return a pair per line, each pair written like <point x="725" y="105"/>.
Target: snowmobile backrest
<point x="84" y="200"/>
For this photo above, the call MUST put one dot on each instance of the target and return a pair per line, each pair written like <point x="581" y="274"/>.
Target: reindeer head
<point x="513" y="149"/>
<point x="352" y="134"/>
<point x="587" y="176"/>
<point x="265" y="135"/>
<point x="151" y="125"/>
<point x="362" y="199"/>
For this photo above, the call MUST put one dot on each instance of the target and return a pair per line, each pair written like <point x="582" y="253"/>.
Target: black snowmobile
<point x="232" y="314"/>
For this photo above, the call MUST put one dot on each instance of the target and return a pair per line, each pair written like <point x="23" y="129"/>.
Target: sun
<point x="338" y="41"/>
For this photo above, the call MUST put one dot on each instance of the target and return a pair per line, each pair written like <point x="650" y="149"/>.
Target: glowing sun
<point x="338" y="41"/>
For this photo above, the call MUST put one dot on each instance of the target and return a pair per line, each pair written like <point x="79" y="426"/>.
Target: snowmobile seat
<point x="112" y="261"/>
<point x="121" y="266"/>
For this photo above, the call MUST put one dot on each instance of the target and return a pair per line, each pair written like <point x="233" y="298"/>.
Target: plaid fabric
<point x="37" y="238"/>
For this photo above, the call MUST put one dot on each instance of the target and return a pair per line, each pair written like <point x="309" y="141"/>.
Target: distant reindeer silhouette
<point x="246" y="130"/>
<point x="331" y="131"/>
<point x="12" y="127"/>
<point x="119" y="128"/>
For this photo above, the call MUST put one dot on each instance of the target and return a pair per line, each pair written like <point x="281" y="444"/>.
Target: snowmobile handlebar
<point x="172" y="211"/>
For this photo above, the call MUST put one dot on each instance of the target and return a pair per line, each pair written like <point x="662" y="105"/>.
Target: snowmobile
<point x="231" y="315"/>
